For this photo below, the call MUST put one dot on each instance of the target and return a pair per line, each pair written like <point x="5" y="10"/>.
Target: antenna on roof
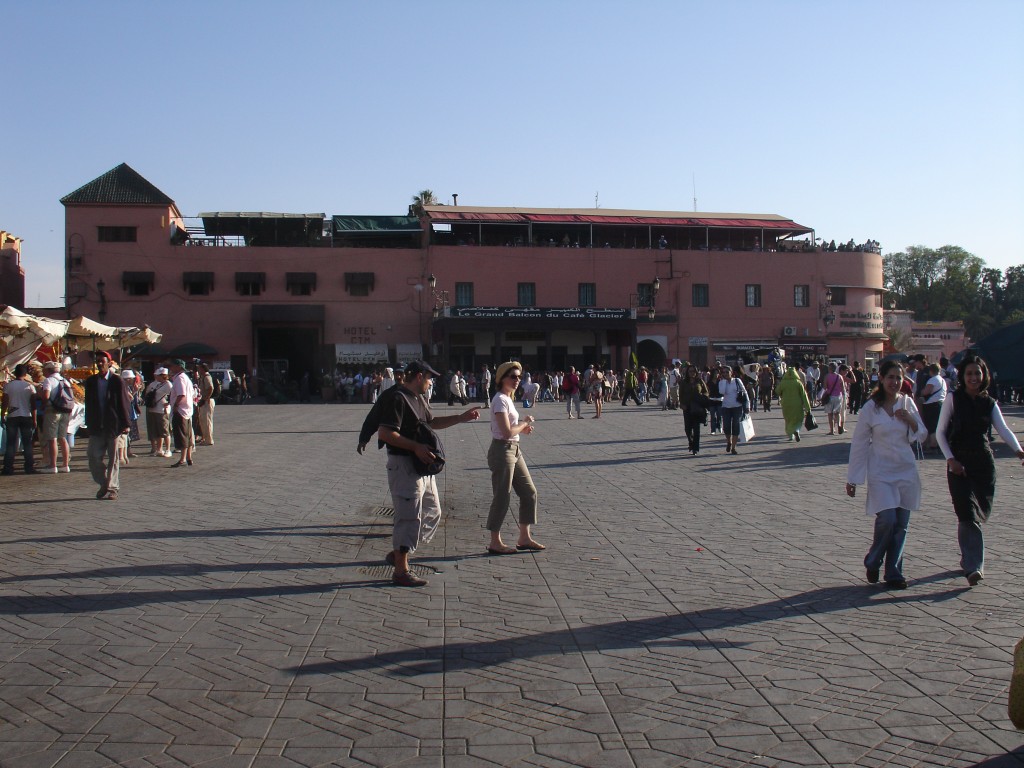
<point x="694" y="192"/>
<point x="596" y="204"/>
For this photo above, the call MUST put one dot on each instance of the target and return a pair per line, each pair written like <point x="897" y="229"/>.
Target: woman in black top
<point x="964" y="421"/>
<point x="694" y="402"/>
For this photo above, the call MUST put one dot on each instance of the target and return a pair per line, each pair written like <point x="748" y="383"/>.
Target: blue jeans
<point x="716" y="418"/>
<point x="890" y="537"/>
<point x="18" y="427"/>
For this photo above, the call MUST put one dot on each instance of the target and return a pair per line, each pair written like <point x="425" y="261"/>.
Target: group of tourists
<point x="177" y="408"/>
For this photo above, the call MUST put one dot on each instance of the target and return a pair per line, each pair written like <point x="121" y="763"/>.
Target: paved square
<point x="697" y="611"/>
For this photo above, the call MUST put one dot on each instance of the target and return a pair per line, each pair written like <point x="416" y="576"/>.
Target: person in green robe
<point x="795" y="404"/>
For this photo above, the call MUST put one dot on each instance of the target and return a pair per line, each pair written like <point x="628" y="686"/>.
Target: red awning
<point x="577" y="218"/>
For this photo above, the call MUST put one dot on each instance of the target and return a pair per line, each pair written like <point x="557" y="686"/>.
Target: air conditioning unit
<point x="789" y="330"/>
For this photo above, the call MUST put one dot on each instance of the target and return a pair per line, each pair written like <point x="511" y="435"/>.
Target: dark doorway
<point x="650" y="353"/>
<point x="296" y="345"/>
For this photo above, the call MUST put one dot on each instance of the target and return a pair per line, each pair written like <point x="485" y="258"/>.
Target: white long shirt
<point x="881" y="453"/>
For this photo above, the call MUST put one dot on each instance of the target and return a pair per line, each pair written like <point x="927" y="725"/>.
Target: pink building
<point x="939" y="339"/>
<point x="463" y="285"/>
<point x="12" y="274"/>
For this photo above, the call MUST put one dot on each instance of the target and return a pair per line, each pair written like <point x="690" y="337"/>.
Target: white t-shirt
<point x="939" y="393"/>
<point x="502" y="403"/>
<point x="182" y="385"/>
<point x="162" y="402"/>
<point x="729" y="390"/>
<point x="50" y="385"/>
<point x="19" y="397"/>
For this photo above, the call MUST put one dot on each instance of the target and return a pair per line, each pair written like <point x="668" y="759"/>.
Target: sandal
<point x="501" y="551"/>
<point x="530" y="546"/>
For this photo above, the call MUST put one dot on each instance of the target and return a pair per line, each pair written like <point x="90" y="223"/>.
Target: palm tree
<point x="419" y="201"/>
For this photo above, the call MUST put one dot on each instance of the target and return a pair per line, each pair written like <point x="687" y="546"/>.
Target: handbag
<point x="809" y="422"/>
<point x="825" y="397"/>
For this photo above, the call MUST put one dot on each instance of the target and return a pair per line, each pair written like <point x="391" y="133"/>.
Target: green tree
<point x="950" y="283"/>
<point x="420" y="200"/>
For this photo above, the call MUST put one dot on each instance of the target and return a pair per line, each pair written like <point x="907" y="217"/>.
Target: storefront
<point x="735" y="352"/>
<point x="466" y="338"/>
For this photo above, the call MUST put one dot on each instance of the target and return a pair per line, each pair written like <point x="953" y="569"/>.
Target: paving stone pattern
<point x="689" y="611"/>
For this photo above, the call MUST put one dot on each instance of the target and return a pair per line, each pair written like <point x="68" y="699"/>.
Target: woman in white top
<point x="882" y="454"/>
<point x="734" y="405"/>
<point x="932" y="395"/>
<point x="508" y="467"/>
<point x="964" y="422"/>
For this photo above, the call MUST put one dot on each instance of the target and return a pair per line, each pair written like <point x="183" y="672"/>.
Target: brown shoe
<point x="110" y="496"/>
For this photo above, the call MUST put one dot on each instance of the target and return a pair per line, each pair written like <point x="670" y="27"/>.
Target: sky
<point x="897" y="121"/>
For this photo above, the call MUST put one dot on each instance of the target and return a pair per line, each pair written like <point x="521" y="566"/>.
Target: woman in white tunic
<point x="882" y="455"/>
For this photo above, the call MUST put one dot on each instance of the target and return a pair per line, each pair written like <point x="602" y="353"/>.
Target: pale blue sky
<point x="897" y="121"/>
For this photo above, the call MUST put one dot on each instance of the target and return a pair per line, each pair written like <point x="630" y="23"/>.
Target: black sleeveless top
<point x="969" y="425"/>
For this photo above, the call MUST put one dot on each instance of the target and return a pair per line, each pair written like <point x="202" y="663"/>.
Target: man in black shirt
<point x="415" y="498"/>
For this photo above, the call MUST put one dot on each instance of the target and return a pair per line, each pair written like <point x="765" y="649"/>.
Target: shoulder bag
<point x="428" y="437"/>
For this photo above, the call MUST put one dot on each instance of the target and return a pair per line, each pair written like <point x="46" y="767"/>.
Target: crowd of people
<point x="41" y="406"/>
<point x="904" y="411"/>
<point x="893" y="404"/>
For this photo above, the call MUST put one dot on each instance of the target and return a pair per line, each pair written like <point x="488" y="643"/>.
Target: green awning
<point x="376" y="224"/>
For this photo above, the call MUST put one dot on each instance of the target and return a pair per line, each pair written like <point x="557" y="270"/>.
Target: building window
<point x="588" y="294"/>
<point x="138" y="283"/>
<point x="801" y="295"/>
<point x="197" y="283"/>
<point x="645" y="294"/>
<point x="250" y="283"/>
<point x="701" y="295"/>
<point x="359" y="283"/>
<point x="753" y="295"/>
<point x="527" y="294"/>
<point x="116" y="234"/>
<point x="300" y="283"/>
<point x="878" y="299"/>
<point x="463" y="294"/>
<point x="838" y="297"/>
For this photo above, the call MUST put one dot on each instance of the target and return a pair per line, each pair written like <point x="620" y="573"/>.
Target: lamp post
<point x="828" y="316"/>
<point x="100" y="287"/>
<point x="655" y="287"/>
<point x="441" y="304"/>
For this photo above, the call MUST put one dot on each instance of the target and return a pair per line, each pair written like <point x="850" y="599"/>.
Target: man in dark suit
<point x="106" y="416"/>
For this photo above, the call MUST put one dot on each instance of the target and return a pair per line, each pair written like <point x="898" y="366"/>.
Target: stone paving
<point x="689" y="611"/>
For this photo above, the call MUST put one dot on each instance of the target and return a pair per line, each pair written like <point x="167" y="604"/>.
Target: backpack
<point x="150" y="397"/>
<point x="218" y="387"/>
<point x="63" y="399"/>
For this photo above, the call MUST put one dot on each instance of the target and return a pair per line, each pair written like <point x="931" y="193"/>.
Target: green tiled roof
<point x="119" y="186"/>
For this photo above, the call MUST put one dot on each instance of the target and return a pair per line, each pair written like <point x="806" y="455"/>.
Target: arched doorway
<point x="650" y="353"/>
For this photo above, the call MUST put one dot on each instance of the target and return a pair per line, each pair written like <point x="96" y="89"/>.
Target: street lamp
<point x="101" y="286"/>
<point x="439" y="296"/>
<point x="828" y="316"/>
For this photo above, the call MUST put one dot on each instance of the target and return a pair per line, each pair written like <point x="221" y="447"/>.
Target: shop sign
<point x="744" y="346"/>
<point x="541" y="313"/>
<point x="361" y="354"/>
<point x="698" y="341"/>
<point x="869" y="321"/>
